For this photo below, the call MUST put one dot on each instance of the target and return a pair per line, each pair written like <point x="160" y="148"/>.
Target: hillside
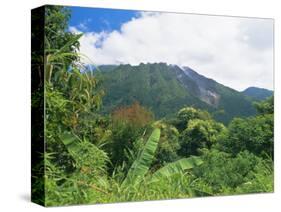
<point x="257" y="93"/>
<point x="164" y="89"/>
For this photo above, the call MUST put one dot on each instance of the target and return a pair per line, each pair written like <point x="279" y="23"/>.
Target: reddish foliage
<point x="134" y="114"/>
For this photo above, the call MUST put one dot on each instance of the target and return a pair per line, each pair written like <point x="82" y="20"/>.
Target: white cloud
<point x="237" y="52"/>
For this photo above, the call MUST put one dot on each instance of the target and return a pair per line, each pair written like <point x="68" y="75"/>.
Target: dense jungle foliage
<point x="131" y="155"/>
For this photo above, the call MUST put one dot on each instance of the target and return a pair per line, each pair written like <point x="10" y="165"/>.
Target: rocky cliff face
<point x="204" y="87"/>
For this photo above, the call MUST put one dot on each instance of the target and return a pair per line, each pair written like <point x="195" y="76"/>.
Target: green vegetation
<point x="131" y="154"/>
<point x="152" y="85"/>
<point x="165" y="89"/>
<point x="258" y="93"/>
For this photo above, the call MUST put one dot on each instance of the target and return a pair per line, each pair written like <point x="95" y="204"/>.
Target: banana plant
<point x="82" y="152"/>
<point x="141" y="165"/>
<point x="175" y="167"/>
<point x="144" y="160"/>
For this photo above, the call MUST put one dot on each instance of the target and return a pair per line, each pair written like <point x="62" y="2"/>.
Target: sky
<point x="237" y="52"/>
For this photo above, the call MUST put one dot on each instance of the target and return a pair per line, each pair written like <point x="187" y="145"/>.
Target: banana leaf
<point x="144" y="160"/>
<point x="176" y="167"/>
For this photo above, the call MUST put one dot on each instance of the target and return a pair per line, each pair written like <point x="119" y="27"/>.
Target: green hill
<point x="165" y="89"/>
<point x="257" y="93"/>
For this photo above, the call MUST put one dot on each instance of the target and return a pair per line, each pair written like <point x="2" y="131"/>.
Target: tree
<point x="61" y="46"/>
<point x="254" y="134"/>
<point x="56" y="27"/>
<point x="189" y="113"/>
<point x="134" y="114"/>
<point x="223" y="173"/>
<point x="128" y="125"/>
<point x="199" y="134"/>
<point x="168" y="144"/>
<point x="265" y="107"/>
<point x="72" y="98"/>
<point x="121" y="144"/>
<point x="140" y="167"/>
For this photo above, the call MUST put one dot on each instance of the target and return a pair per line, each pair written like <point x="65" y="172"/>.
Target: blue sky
<point x="99" y="19"/>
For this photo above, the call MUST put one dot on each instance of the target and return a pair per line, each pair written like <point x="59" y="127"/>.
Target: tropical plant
<point x="72" y="97"/>
<point x="86" y="183"/>
<point x="144" y="160"/>
<point x="176" y="167"/>
<point x="141" y="165"/>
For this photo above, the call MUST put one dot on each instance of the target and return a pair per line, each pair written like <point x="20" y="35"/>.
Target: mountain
<point x="165" y="89"/>
<point x="257" y="93"/>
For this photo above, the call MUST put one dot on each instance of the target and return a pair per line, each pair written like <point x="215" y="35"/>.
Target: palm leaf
<point x="143" y="162"/>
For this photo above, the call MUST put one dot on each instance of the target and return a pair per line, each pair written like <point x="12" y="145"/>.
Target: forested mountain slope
<point x="257" y="93"/>
<point x="164" y="89"/>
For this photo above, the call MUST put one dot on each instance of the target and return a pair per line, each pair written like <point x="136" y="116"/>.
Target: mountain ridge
<point x="164" y="89"/>
<point x="257" y="93"/>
